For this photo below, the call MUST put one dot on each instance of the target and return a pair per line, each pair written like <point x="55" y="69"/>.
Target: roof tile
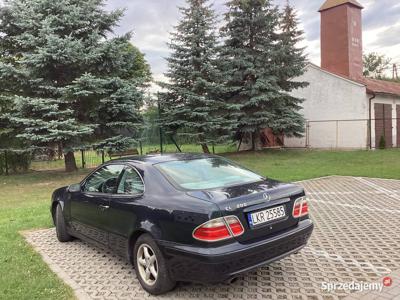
<point x="382" y="86"/>
<point x="333" y="3"/>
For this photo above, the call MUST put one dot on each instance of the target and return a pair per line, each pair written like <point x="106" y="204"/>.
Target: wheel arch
<point x="132" y="241"/>
<point x="54" y="205"/>
<point x="144" y="227"/>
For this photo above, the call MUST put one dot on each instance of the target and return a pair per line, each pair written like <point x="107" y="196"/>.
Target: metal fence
<point x="318" y="134"/>
<point x="348" y="134"/>
<point x="14" y="161"/>
<point x="46" y="159"/>
<point x="84" y="158"/>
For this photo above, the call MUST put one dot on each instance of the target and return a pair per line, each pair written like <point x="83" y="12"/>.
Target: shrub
<point x="17" y="161"/>
<point x="382" y="142"/>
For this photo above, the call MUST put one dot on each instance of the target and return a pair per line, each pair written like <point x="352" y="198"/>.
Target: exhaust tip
<point x="231" y="280"/>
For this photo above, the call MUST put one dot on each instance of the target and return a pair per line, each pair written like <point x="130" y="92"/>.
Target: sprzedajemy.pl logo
<point x="356" y="286"/>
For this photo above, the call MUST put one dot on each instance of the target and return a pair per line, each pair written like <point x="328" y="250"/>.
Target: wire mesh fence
<point x="84" y="158"/>
<point x="46" y="159"/>
<point x="379" y="133"/>
<point x="320" y="134"/>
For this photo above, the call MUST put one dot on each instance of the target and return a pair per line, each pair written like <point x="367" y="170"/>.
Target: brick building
<point x="343" y="108"/>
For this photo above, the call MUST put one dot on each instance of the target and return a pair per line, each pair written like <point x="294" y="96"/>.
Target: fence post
<point x="102" y="157"/>
<point x="83" y="158"/>
<point x="213" y="148"/>
<point x="161" y="141"/>
<point x="175" y="143"/>
<point x="141" y="147"/>
<point x="6" y="161"/>
<point x="159" y="125"/>
<point x="337" y="134"/>
<point x="370" y="134"/>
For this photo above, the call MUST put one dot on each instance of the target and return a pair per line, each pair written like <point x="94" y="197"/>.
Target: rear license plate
<point x="267" y="215"/>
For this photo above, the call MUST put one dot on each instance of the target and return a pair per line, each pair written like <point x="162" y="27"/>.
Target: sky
<point x="151" y="21"/>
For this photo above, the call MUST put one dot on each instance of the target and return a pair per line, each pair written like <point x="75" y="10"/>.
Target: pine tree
<point x="292" y="63"/>
<point x="248" y="64"/>
<point x="251" y="60"/>
<point x="190" y="102"/>
<point x="69" y="83"/>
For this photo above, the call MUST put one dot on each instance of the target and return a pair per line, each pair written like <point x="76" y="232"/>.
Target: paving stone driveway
<point x="356" y="238"/>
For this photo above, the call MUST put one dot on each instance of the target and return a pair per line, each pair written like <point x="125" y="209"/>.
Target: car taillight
<point x="217" y="229"/>
<point x="235" y="225"/>
<point x="300" y="208"/>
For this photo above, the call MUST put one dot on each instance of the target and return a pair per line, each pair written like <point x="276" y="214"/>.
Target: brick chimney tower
<point x="341" y="38"/>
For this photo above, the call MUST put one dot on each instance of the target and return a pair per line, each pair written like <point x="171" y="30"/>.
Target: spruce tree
<point x="251" y="59"/>
<point x="292" y="62"/>
<point x="69" y="83"/>
<point x="248" y="63"/>
<point x="190" y="101"/>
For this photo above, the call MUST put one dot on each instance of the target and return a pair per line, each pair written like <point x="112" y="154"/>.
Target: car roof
<point x="159" y="158"/>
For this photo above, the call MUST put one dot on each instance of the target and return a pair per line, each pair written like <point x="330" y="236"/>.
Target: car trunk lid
<point x="244" y="200"/>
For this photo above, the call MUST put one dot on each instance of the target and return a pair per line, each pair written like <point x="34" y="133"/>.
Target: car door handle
<point x="104" y="207"/>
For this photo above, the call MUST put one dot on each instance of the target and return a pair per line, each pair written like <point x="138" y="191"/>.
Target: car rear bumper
<point x="218" y="264"/>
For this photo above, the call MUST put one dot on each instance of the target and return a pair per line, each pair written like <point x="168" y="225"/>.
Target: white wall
<point x="329" y="98"/>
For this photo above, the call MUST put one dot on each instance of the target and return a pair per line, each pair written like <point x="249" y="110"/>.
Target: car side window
<point x="104" y="180"/>
<point x="131" y="183"/>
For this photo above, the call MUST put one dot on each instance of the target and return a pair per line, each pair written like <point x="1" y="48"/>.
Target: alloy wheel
<point x="147" y="264"/>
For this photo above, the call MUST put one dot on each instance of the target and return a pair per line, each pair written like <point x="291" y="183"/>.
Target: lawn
<point x="292" y="165"/>
<point x="24" y="204"/>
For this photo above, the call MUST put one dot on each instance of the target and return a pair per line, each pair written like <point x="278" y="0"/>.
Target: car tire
<point x="143" y="263"/>
<point x="61" y="228"/>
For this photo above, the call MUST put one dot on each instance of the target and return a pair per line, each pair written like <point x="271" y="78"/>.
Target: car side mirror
<point x="74" y="188"/>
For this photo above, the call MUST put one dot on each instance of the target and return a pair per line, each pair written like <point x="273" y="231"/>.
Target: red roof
<point x="381" y="86"/>
<point x="333" y="3"/>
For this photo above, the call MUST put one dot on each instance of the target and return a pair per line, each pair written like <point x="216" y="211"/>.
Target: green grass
<point x="292" y="165"/>
<point x="25" y="199"/>
<point x="24" y="204"/>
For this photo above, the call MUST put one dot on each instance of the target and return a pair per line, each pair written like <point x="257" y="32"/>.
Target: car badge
<point x="267" y="197"/>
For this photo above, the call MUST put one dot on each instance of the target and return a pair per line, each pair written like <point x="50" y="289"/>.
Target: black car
<point x="184" y="217"/>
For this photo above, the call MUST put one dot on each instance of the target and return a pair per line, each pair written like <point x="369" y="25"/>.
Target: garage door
<point x="398" y="125"/>
<point x="383" y="124"/>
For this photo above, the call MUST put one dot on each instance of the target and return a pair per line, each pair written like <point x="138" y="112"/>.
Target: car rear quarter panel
<point x="174" y="221"/>
<point x="164" y="212"/>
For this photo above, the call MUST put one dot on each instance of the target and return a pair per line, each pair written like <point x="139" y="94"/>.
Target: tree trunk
<point x="240" y="142"/>
<point x="70" y="163"/>
<point x="60" y="150"/>
<point x="255" y="140"/>
<point x="205" y="148"/>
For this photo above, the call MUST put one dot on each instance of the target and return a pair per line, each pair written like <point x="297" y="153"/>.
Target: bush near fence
<point x="12" y="161"/>
<point x="152" y="139"/>
<point x="50" y="159"/>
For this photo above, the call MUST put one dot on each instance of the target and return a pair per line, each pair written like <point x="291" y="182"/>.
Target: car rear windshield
<point x="206" y="173"/>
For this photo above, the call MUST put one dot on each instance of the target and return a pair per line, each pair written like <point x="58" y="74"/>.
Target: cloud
<point x="151" y="21"/>
<point x="388" y="37"/>
<point x="381" y="13"/>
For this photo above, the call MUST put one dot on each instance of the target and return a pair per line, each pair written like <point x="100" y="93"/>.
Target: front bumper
<point x="218" y="264"/>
